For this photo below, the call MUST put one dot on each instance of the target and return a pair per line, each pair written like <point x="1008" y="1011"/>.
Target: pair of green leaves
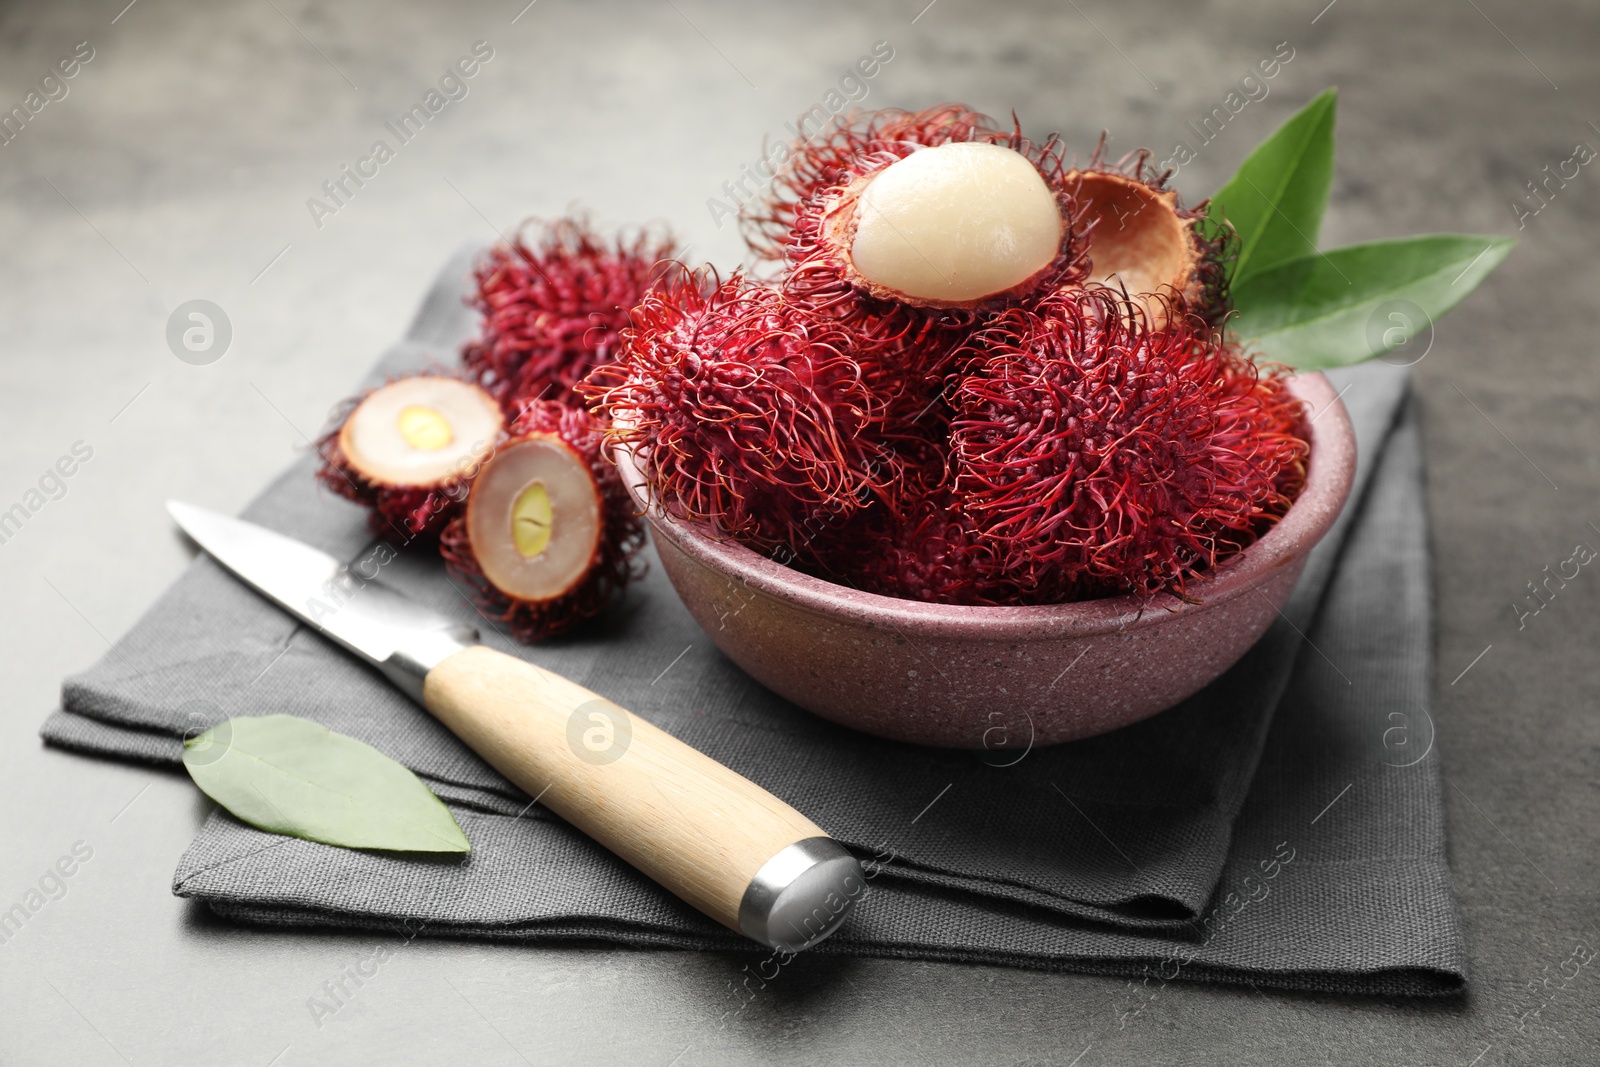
<point x="291" y="776"/>
<point x="1311" y="309"/>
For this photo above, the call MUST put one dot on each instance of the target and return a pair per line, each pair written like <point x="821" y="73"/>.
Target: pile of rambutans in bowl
<point x="969" y="458"/>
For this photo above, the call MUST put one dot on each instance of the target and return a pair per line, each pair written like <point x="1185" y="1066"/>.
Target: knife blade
<point x="715" y="839"/>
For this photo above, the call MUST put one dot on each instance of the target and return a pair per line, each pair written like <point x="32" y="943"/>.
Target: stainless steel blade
<point x="391" y="631"/>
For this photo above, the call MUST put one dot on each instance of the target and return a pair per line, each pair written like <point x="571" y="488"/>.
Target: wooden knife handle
<point x="713" y="838"/>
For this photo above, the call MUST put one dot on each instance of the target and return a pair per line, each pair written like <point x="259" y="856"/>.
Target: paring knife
<point x="715" y="839"/>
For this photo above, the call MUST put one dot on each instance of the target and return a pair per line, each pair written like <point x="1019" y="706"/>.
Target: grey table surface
<point x="178" y="166"/>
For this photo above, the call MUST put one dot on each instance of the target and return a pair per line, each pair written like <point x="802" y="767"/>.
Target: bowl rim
<point x="1329" y="475"/>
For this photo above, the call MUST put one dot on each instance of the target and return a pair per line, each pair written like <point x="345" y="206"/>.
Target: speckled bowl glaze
<point x="994" y="678"/>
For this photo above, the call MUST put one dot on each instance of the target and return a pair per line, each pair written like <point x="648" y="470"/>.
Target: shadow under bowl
<point x="955" y="676"/>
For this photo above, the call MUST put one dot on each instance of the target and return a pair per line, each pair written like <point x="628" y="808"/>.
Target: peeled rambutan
<point x="1142" y="240"/>
<point x="809" y="165"/>
<point x="1101" y="456"/>
<point x="409" y="449"/>
<point x="747" y="414"/>
<point x="554" y="305"/>
<point x="911" y="245"/>
<point x="548" y="538"/>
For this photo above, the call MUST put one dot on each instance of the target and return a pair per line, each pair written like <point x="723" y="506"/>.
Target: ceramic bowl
<point x="983" y="677"/>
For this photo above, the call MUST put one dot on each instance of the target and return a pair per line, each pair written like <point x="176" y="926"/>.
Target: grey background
<point x="181" y="160"/>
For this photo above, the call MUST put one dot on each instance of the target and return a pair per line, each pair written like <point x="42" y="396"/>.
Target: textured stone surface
<point x="181" y="160"/>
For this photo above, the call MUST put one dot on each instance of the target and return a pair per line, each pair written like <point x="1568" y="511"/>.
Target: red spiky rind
<point x="926" y="550"/>
<point x="616" y="562"/>
<point x="554" y="303"/>
<point x="1104" y="457"/>
<point x="809" y="165"/>
<point x="922" y="336"/>
<point x="1212" y="247"/>
<point x="411" y="513"/>
<point x="749" y="416"/>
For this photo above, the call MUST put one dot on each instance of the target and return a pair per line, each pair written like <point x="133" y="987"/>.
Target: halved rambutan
<point x="1101" y="456"/>
<point x="553" y="306"/>
<point x="1142" y="240"/>
<point x="548" y="538"/>
<point x="409" y="449"/>
<point x="747" y="414"/>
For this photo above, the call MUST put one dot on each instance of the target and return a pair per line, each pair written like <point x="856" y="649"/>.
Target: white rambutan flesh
<point x="534" y="518"/>
<point x="956" y="222"/>
<point x="420" y="432"/>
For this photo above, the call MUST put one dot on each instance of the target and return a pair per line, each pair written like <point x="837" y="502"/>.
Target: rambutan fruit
<point x="746" y="413"/>
<point x="808" y="165"/>
<point x="409" y="449"/>
<point x="548" y="538"/>
<point x="912" y="245"/>
<point x="926" y="550"/>
<point x="1101" y="456"/>
<point x="553" y="307"/>
<point x="1142" y="240"/>
<point x="960" y="225"/>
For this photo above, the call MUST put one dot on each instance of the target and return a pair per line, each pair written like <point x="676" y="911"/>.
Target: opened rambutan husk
<point x="408" y="451"/>
<point x="1103" y="457"/>
<point x="594" y="574"/>
<point x="553" y="305"/>
<point x="1142" y="240"/>
<point x="747" y="414"/>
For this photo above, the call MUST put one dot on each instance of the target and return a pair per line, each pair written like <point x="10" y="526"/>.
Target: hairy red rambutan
<point x="748" y="414"/>
<point x="924" y="549"/>
<point x="553" y="307"/>
<point x="548" y="538"/>
<point x="1141" y="239"/>
<point x="1100" y="456"/>
<point x="408" y="450"/>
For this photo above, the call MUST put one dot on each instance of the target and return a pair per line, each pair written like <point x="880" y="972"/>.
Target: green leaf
<point x="1332" y="309"/>
<point x="1276" y="198"/>
<point x="291" y="776"/>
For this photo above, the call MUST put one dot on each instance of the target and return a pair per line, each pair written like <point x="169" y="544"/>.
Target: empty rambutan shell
<point x="1140" y="239"/>
<point x="1101" y="457"/>
<point x="408" y="450"/>
<point x="747" y="414"/>
<point x="548" y="538"/>
<point x="553" y="305"/>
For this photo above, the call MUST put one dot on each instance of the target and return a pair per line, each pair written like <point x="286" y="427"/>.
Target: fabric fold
<point x="1110" y="854"/>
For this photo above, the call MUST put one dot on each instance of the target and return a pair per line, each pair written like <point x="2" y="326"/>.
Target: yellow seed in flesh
<point x="531" y="520"/>
<point x="424" y="428"/>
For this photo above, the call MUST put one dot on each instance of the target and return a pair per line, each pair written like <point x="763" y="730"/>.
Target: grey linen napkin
<point x="1283" y="828"/>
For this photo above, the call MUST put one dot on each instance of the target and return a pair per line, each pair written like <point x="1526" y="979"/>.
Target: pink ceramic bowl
<point x="978" y="677"/>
